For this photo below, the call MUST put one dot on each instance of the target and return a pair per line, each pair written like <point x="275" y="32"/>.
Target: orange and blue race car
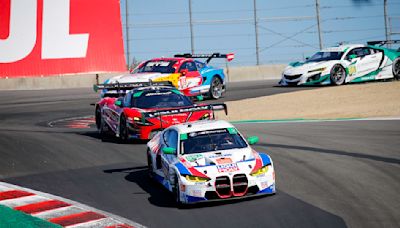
<point x="144" y="111"/>
<point x="190" y="76"/>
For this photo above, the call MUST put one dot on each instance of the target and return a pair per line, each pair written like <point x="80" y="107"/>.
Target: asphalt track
<point x="329" y="174"/>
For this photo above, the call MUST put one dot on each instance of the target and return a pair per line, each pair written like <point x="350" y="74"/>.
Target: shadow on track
<point x="111" y="139"/>
<point x="161" y="197"/>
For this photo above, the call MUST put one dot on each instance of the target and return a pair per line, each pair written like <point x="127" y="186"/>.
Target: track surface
<point x="330" y="174"/>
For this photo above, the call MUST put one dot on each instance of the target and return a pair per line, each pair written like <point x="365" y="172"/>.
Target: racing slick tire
<point x="98" y="117"/>
<point x="150" y="171"/>
<point x="123" y="130"/>
<point x="216" y="88"/>
<point x="103" y="130"/>
<point x="338" y="75"/>
<point x="396" y="68"/>
<point x="177" y="192"/>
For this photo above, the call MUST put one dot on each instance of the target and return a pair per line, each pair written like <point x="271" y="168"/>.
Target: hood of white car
<point x="138" y="77"/>
<point x="302" y="68"/>
<point x="219" y="157"/>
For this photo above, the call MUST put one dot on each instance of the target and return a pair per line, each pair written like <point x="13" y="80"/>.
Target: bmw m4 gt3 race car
<point x="190" y="76"/>
<point x="345" y="64"/>
<point x="209" y="160"/>
<point x="144" y="111"/>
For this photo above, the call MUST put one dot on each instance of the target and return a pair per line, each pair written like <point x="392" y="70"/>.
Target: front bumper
<point x="314" y="78"/>
<point x="228" y="189"/>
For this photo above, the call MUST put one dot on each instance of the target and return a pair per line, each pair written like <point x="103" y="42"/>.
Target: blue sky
<point x="287" y="29"/>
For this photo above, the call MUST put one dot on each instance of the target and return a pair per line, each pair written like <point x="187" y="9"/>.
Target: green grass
<point x="10" y="218"/>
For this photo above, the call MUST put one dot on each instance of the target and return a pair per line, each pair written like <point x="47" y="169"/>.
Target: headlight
<point x="138" y="121"/>
<point x="196" y="179"/>
<point x="317" y="70"/>
<point x="260" y="171"/>
<point x="205" y="117"/>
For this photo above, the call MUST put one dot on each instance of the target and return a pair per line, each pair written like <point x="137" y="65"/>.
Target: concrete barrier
<point x="234" y="74"/>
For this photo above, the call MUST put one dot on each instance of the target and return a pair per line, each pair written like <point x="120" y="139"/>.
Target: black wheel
<point x="150" y="171"/>
<point x="97" y="116"/>
<point x="123" y="130"/>
<point x="338" y="75"/>
<point x="216" y="88"/>
<point x="103" y="129"/>
<point x="177" y="192"/>
<point x="396" y="68"/>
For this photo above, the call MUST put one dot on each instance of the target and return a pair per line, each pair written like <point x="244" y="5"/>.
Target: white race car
<point x="344" y="64"/>
<point x="209" y="160"/>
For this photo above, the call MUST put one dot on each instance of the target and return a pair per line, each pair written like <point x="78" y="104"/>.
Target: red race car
<point x="144" y="111"/>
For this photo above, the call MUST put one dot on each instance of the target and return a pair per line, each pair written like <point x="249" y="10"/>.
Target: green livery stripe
<point x="137" y="94"/>
<point x="321" y="79"/>
<point x="17" y="219"/>
<point x="367" y="77"/>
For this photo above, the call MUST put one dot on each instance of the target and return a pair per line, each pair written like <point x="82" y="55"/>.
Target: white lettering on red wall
<point x="45" y="37"/>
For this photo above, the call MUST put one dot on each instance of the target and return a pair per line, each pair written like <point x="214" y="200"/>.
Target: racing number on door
<point x="182" y="82"/>
<point x="352" y="69"/>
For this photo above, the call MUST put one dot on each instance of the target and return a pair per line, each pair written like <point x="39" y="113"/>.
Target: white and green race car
<point x="345" y="64"/>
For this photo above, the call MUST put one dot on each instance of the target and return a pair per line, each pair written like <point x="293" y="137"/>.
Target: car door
<point x="190" y="76"/>
<point x="357" y="64"/>
<point x="372" y="59"/>
<point x="367" y="60"/>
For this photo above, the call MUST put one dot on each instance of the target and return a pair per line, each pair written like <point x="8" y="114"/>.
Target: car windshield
<point x="160" y="99"/>
<point x="211" y="140"/>
<point x="161" y="66"/>
<point x="325" y="56"/>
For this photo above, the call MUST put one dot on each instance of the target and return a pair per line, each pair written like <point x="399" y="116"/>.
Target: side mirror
<point x="118" y="103"/>
<point x="168" y="150"/>
<point x="353" y="56"/>
<point x="252" y="140"/>
<point x="183" y="71"/>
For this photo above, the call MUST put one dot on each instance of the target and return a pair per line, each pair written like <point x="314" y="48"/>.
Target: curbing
<point x="116" y="218"/>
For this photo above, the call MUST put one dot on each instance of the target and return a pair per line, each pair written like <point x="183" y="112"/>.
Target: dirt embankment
<point x="377" y="99"/>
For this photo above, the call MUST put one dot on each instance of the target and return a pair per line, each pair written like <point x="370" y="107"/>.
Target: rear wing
<point x="128" y="86"/>
<point x="159" y="114"/>
<point x="383" y="42"/>
<point x="228" y="57"/>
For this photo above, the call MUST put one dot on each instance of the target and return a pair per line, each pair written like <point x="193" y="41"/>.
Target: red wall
<point x="99" y="19"/>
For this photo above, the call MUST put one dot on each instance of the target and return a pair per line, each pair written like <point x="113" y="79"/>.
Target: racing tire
<point x="103" y="130"/>
<point x="177" y="193"/>
<point x="396" y="68"/>
<point x="216" y="88"/>
<point x="338" y="75"/>
<point x="98" y="117"/>
<point x="150" y="171"/>
<point x="123" y="130"/>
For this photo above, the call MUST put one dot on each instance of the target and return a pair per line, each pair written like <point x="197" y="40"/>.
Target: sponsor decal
<point x="223" y="160"/>
<point x="194" y="134"/>
<point x="220" y="155"/>
<point x="264" y="184"/>
<point x="223" y="168"/>
<point x="197" y="193"/>
<point x="192" y="158"/>
<point x="158" y="94"/>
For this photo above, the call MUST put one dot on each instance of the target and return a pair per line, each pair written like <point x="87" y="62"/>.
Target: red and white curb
<point x="58" y="210"/>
